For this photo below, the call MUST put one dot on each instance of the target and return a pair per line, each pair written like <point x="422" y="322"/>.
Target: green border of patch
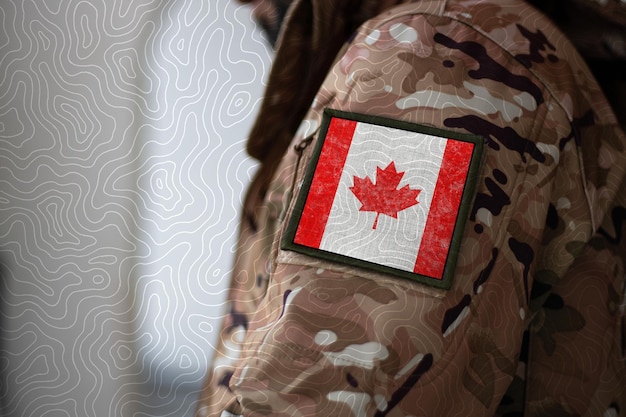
<point x="466" y="199"/>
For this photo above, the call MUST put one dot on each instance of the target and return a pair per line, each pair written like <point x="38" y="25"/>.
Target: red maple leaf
<point x="384" y="197"/>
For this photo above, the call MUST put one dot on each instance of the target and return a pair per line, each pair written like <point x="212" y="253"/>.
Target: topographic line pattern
<point x="122" y="165"/>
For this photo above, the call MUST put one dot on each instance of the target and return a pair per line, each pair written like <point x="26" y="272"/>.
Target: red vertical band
<point x="325" y="182"/>
<point x="444" y="208"/>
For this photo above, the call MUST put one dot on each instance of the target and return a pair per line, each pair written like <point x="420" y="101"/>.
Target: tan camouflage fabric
<point x="596" y="27"/>
<point x="533" y="324"/>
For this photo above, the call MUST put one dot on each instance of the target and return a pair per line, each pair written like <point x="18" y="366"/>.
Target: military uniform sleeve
<point x="330" y="337"/>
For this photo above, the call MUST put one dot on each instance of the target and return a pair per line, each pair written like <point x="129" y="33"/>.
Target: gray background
<point x="122" y="126"/>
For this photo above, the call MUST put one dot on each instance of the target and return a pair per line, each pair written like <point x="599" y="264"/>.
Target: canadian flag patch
<point x="386" y="195"/>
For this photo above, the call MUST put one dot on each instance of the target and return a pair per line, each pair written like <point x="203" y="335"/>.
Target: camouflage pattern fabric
<point x="596" y="27"/>
<point x="533" y="324"/>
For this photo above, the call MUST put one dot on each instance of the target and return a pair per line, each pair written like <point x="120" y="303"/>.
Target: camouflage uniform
<point x="533" y="323"/>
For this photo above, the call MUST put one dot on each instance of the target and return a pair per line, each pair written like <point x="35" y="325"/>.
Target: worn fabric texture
<point x="533" y="324"/>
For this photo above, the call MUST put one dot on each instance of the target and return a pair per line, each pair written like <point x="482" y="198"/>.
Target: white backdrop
<point x="122" y="126"/>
